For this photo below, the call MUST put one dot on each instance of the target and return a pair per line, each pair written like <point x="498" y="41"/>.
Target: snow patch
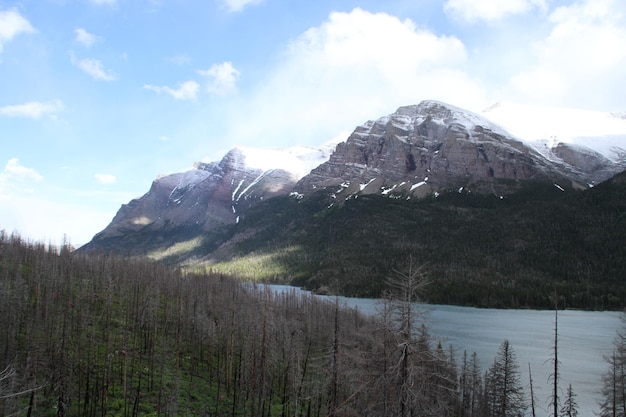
<point x="386" y="191"/>
<point x="419" y="184"/>
<point x="236" y="189"/>
<point x="362" y="186"/>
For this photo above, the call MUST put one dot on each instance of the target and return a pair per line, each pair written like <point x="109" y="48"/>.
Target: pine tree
<point x="570" y="407"/>
<point x="504" y="391"/>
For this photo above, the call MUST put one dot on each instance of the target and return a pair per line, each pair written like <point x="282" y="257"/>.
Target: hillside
<point x="480" y="250"/>
<point x="108" y="336"/>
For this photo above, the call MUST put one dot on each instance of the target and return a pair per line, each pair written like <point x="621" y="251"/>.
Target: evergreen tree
<point x="570" y="407"/>
<point x="504" y="391"/>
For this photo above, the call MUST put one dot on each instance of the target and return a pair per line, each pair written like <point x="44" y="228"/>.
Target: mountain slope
<point x="204" y="199"/>
<point x="479" y="250"/>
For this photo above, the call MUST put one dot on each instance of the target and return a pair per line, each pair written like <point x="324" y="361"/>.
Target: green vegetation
<point x="480" y="250"/>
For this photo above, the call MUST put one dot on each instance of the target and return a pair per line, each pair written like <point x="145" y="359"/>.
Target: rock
<point x="434" y="143"/>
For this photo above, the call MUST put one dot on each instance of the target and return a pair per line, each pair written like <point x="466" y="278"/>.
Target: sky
<point x="100" y="97"/>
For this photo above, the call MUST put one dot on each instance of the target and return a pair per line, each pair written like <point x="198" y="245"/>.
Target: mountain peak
<point x="442" y="145"/>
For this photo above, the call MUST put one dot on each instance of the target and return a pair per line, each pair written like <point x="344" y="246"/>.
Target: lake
<point x="585" y="338"/>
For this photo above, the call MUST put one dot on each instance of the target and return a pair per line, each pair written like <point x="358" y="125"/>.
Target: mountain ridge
<point x="438" y="145"/>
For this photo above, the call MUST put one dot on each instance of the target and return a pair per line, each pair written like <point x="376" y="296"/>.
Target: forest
<point x="482" y="250"/>
<point x="102" y="335"/>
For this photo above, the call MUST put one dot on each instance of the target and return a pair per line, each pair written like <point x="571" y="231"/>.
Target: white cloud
<point x="32" y="109"/>
<point x="354" y="67"/>
<point x="94" y="68"/>
<point x="238" y="5"/>
<point x="185" y="91"/>
<point x="222" y="78"/>
<point x="14" y="177"/>
<point x="105" y="178"/>
<point x="13" y="170"/>
<point x="12" y="24"/>
<point x="85" y="38"/>
<point x="481" y="10"/>
<point x="581" y="62"/>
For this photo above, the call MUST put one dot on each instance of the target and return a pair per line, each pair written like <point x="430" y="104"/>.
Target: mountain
<point x="592" y="141"/>
<point x="424" y="181"/>
<point x="205" y="198"/>
<point x="416" y="151"/>
<point x="434" y="146"/>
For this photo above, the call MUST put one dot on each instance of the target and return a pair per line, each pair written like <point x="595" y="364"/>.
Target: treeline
<point x="108" y="336"/>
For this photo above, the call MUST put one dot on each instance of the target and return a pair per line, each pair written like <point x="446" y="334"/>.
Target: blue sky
<point x="99" y="97"/>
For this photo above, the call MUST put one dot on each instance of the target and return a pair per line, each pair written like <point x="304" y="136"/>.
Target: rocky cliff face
<point x="434" y="146"/>
<point x="205" y="197"/>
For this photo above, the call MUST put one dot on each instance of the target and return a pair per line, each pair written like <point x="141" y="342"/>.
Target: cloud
<point x="32" y="109"/>
<point x="85" y="38"/>
<point x="352" y="67"/>
<point x="480" y="10"/>
<point x="581" y="62"/>
<point x="12" y="24"/>
<point x="105" y="178"/>
<point x="94" y="68"/>
<point x="185" y="91"/>
<point x="13" y="173"/>
<point x="238" y="5"/>
<point x="222" y="78"/>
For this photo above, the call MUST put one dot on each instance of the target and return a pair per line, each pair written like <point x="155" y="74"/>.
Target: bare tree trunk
<point x="532" y="394"/>
<point x="555" y="372"/>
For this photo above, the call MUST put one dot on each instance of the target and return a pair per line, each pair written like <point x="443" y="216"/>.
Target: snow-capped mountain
<point x="416" y="151"/>
<point x="213" y="194"/>
<point x="434" y="146"/>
